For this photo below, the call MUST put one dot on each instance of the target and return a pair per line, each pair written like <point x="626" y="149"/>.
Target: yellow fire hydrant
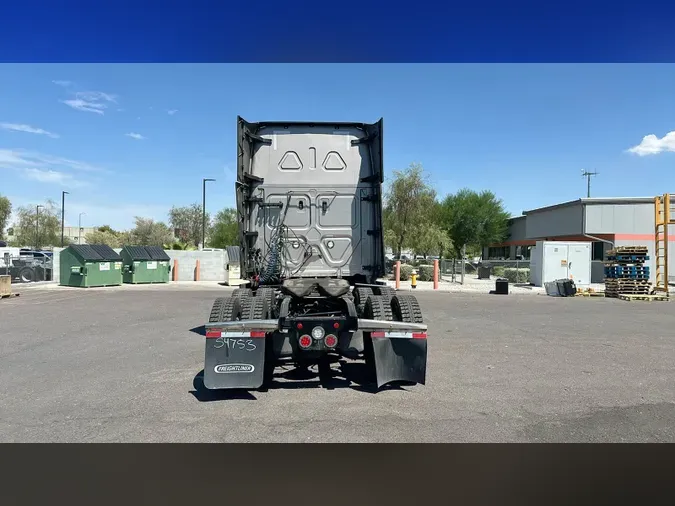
<point x="413" y="279"/>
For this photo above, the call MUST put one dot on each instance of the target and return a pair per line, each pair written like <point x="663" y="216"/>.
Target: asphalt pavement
<point x="119" y="365"/>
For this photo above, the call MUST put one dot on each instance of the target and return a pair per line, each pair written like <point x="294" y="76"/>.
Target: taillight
<point x="305" y="341"/>
<point x="331" y="341"/>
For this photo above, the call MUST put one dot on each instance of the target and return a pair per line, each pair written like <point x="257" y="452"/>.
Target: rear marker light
<point x="305" y="341"/>
<point x="299" y="326"/>
<point x="336" y="325"/>
<point x="331" y="341"/>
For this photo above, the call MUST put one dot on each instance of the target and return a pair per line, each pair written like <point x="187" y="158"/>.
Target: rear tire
<point x="258" y="309"/>
<point x="268" y="294"/>
<point x="225" y="309"/>
<point x="376" y="307"/>
<point x="387" y="291"/>
<point x="27" y="275"/>
<point x="405" y="308"/>
<point x="361" y="294"/>
<point x="242" y="292"/>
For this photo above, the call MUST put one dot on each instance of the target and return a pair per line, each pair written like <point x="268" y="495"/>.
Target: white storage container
<point x="551" y="260"/>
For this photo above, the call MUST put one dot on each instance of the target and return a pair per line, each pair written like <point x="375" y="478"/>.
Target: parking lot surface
<point x="97" y="365"/>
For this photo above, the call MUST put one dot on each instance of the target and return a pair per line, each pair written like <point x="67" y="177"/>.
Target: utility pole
<point x="63" y="213"/>
<point x="204" y="210"/>
<point x="79" y="228"/>
<point x="588" y="175"/>
<point x="37" y="227"/>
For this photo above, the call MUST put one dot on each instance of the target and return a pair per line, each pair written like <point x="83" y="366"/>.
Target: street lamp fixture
<point x="204" y="210"/>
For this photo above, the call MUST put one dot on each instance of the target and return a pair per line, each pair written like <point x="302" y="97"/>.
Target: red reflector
<point x="419" y="335"/>
<point x="305" y="341"/>
<point x="336" y="325"/>
<point x="331" y="341"/>
<point x="258" y="333"/>
<point x="213" y="333"/>
<point x="377" y="334"/>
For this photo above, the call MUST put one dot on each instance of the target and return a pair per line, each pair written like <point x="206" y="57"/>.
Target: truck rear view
<point x="309" y="204"/>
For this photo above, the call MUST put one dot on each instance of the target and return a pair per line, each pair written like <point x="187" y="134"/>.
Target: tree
<point x="5" y="213"/>
<point x="430" y="239"/>
<point x="149" y="232"/>
<point x="36" y="230"/>
<point x="474" y="219"/>
<point x="409" y="199"/>
<point x="188" y="220"/>
<point x="225" y="229"/>
<point x="106" y="235"/>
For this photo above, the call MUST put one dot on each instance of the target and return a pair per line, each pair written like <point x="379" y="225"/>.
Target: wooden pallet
<point x="628" y="250"/>
<point x="633" y="296"/>
<point x="620" y="287"/>
<point x="590" y="294"/>
<point x="637" y="284"/>
<point x="622" y="280"/>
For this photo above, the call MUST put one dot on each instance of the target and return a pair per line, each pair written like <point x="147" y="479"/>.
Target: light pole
<point x="63" y="213"/>
<point x="204" y="210"/>
<point x="37" y="226"/>
<point x="79" y="229"/>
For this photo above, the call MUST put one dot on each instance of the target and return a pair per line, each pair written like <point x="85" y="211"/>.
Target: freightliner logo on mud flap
<point x="233" y="368"/>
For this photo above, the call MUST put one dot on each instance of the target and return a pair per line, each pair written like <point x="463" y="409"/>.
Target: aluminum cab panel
<point x="332" y="211"/>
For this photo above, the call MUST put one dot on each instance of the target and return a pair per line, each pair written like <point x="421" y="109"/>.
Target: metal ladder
<point x="663" y="217"/>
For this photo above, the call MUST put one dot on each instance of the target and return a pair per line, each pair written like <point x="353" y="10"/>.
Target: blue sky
<point x="523" y="131"/>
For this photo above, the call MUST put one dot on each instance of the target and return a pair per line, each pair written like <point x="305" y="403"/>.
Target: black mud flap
<point x="400" y="359"/>
<point x="234" y="360"/>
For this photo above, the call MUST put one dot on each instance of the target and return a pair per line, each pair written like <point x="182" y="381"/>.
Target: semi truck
<point x="25" y="265"/>
<point x="309" y="210"/>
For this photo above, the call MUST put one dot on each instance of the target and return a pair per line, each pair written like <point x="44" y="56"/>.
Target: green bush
<point x="426" y="272"/>
<point x="498" y="271"/>
<point x="517" y="275"/>
<point x="406" y="271"/>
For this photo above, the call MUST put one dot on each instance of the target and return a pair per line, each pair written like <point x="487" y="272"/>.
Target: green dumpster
<point x="87" y="265"/>
<point x="145" y="264"/>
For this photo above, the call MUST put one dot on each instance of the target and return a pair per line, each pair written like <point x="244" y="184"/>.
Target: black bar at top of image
<point x="388" y="474"/>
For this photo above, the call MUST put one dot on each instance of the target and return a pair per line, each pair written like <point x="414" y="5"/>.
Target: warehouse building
<point x="605" y="222"/>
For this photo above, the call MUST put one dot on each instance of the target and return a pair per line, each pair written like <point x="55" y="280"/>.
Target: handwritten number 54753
<point x="235" y="344"/>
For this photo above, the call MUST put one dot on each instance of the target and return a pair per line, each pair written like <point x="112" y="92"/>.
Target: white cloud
<point x="136" y="136"/>
<point x="171" y="112"/>
<point x="65" y="84"/>
<point x="53" y="177"/>
<point x="21" y="159"/>
<point x="652" y="145"/>
<point x="91" y="101"/>
<point x="28" y="129"/>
